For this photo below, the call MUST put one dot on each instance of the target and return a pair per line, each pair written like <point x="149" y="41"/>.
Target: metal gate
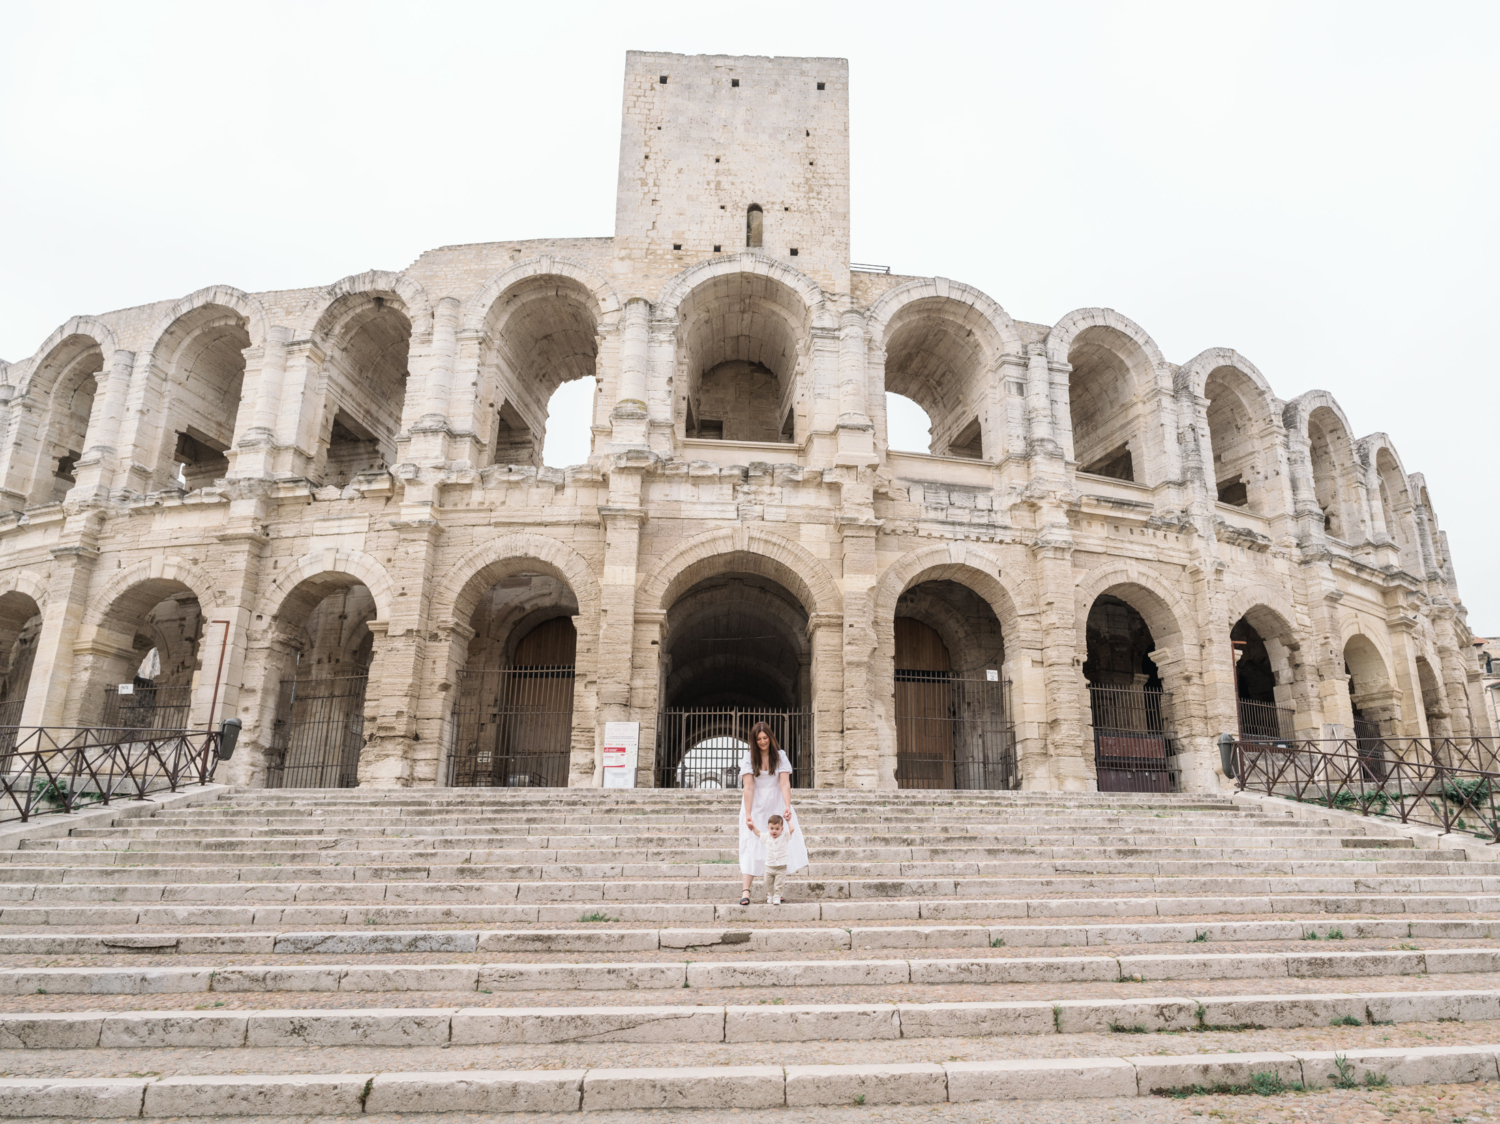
<point x="319" y="731"/>
<point x="952" y="732"/>
<point x="1266" y="721"/>
<point x="704" y="747"/>
<point x="1134" y="749"/>
<point x="147" y="707"/>
<point x="512" y="728"/>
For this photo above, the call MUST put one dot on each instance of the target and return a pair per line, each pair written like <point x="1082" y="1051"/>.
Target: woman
<point x="767" y="777"/>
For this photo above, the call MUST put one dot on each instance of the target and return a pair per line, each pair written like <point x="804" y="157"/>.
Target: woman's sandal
<point x="744" y="899"/>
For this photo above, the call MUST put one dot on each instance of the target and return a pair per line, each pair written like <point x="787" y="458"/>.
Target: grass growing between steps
<point x="596" y="916"/>
<point x="1261" y="1085"/>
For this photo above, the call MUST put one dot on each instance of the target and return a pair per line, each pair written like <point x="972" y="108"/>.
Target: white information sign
<point x="127" y="688"/>
<point x="622" y="749"/>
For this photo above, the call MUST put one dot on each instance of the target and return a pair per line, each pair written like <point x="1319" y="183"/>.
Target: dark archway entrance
<point x="735" y="652"/>
<point x="952" y="730"/>
<point x="513" y="713"/>
<point x="1131" y="714"/>
<point x="1255" y="687"/>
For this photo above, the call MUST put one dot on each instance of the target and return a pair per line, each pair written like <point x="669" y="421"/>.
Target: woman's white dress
<point x="764" y="804"/>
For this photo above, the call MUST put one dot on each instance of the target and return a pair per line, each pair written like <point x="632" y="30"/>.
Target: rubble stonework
<point x="263" y="487"/>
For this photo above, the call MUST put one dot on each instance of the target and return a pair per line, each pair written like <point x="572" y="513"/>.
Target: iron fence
<point x="147" y="707"/>
<point x="512" y="728"/>
<point x="1134" y="747"/>
<point x="953" y="732"/>
<point x="319" y="732"/>
<point x="1266" y="720"/>
<point x="49" y="769"/>
<point x="704" y="747"/>
<point x="1408" y="779"/>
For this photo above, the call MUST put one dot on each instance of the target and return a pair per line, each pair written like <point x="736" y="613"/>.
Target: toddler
<point x="776" y="854"/>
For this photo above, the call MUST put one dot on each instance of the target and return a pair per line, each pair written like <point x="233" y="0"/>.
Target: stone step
<point x="956" y="909"/>
<point x="738" y="974"/>
<point x="683" y="1022"/>
<point x="725" y="1087"/>
<point x="607" y="938"/>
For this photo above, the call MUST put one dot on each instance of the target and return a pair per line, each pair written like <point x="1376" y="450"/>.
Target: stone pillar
<point x="825" y="640"/>
<point x="617" y="626"/>
<point x="265" y="375"/>
<point x="857" y="765"/>
<point x="270" y="659"/>
<point x="425" y="415"/>
<point x="1069" y="764"/>
<point x="54" y="694"/>
<point x="1042" y="437"/>
<point x="394" y="755"/>
<point x="648" y="639"/>
<point x="628" y="420"/>
<point x="96" y="469"/>
<point x="856" y="434"/>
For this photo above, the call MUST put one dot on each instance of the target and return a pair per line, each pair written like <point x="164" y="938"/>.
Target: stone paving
<point x="808" y="990"/>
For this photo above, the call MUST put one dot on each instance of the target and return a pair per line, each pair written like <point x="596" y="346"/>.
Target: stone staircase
<point x="339" y="953"/>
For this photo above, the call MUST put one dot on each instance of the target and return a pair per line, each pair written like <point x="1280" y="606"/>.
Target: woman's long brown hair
<point x="755" y="753"/>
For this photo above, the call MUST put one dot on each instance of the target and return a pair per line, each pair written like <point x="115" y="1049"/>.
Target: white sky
<point x="1311" y="184"/>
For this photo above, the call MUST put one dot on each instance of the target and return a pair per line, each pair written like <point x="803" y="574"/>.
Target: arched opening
<point x="203" y="354"/>
<point x="1128" y="707"/>
<point x="137" y="669"/>
<point x="1255" y="687"/>
<point x="1395" y="504"/>
<point x="1240" y="466"/>
<point x="740" y="352"/>
<point x="1104" y="403"/>
<point x="938" y="354"/>
<point x="20" y="622"/>
<point x="907" y="426"/>
<point x="569" y="436"/>
<point x="318" y="732"/>
<point x="366" y="378"/>
<point x="1328" y="448"/>
<point x="513" y="711"/>
<point x="1373" y="704"/>
<point x="952" y="730"/>
<point x="541" y="335"/>
<point x="71" y="374"/>
<point x="1434" y="702"/>
<point x="755" y="227"/>
<point x="734" y="651"/>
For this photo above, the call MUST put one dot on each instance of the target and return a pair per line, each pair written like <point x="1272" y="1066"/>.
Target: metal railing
<point x="952" y="732"/>
<point x="704" y="747"/>
<point x="513" y="728"/>
<point x="1134" y="748"/>
<point x="50" y="769"/>
<point x="1450" y="783"/>
<point x="1266" y="720"/>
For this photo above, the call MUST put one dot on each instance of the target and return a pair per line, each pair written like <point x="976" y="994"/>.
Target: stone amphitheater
<point x="475" y="850"/>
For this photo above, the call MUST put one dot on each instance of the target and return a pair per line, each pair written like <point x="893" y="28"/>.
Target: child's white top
<point x="777" y="847"/>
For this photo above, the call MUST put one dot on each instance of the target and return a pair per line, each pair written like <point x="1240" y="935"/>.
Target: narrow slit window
<point x="754" y="227"/>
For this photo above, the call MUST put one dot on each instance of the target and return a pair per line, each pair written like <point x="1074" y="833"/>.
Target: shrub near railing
<point x="1450" y="783"/>
<point x="50" y="769"/>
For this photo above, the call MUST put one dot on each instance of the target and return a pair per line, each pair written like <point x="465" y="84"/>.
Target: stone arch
<point x="965" y="563"/>
<point x="343" y="293"/>
<point x="88" y="327"/>
<point x="1193" y="375"/>
<point x="227" y="296"/>
<point x="1332" y="475"/>
<point x="1166" y="612"/>
<point x="477" y="570"/>
<point x="940" y="344"/>
<point x="478" y="307"/>
<point x="324" y="572"/>
<point x="677" y="288"/>
<point x="1114" y="369"/>
<point x="28" y="583"/>
<point x="1268" y="609"/>
<point x="1240" y="450"/>
<point x="802" y="573"/>
<point x="114" y="595"/>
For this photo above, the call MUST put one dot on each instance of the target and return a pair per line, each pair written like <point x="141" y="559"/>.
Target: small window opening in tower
<point x="676" y="245"/>
<point x="820" y="85"/>
<point x="754" y="226"/>
<point x="735" y="82"/>
<point x="718" y="249"/>
<point x="663" y="81"/>
<point x="794" y="251"/>
<point x="716" y="159"/>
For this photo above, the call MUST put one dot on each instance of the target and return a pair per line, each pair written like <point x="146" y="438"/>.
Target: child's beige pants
<point x="775" y="880"/>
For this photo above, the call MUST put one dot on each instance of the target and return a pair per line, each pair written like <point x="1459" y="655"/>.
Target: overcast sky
<point x="1311" y="184"/>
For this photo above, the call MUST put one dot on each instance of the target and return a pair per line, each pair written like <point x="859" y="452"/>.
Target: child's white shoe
<point x="776" y="899"/>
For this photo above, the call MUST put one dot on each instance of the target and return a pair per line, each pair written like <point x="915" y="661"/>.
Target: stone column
<point x="628" y="420"/>
<point x="1042" y="437"/>
<point x="96" y="469"/>
<point x="270" y="659"/>
<point x="856" y="434"/>
<point x="430" y="386"/>
<point x="825" y="641"/>
<point x="622" y="537"/>
<point x="1069" y="763"/>
<point x="265" y="374"/>
<point x="55" y="694"/>
<point x="857" y="766"/>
